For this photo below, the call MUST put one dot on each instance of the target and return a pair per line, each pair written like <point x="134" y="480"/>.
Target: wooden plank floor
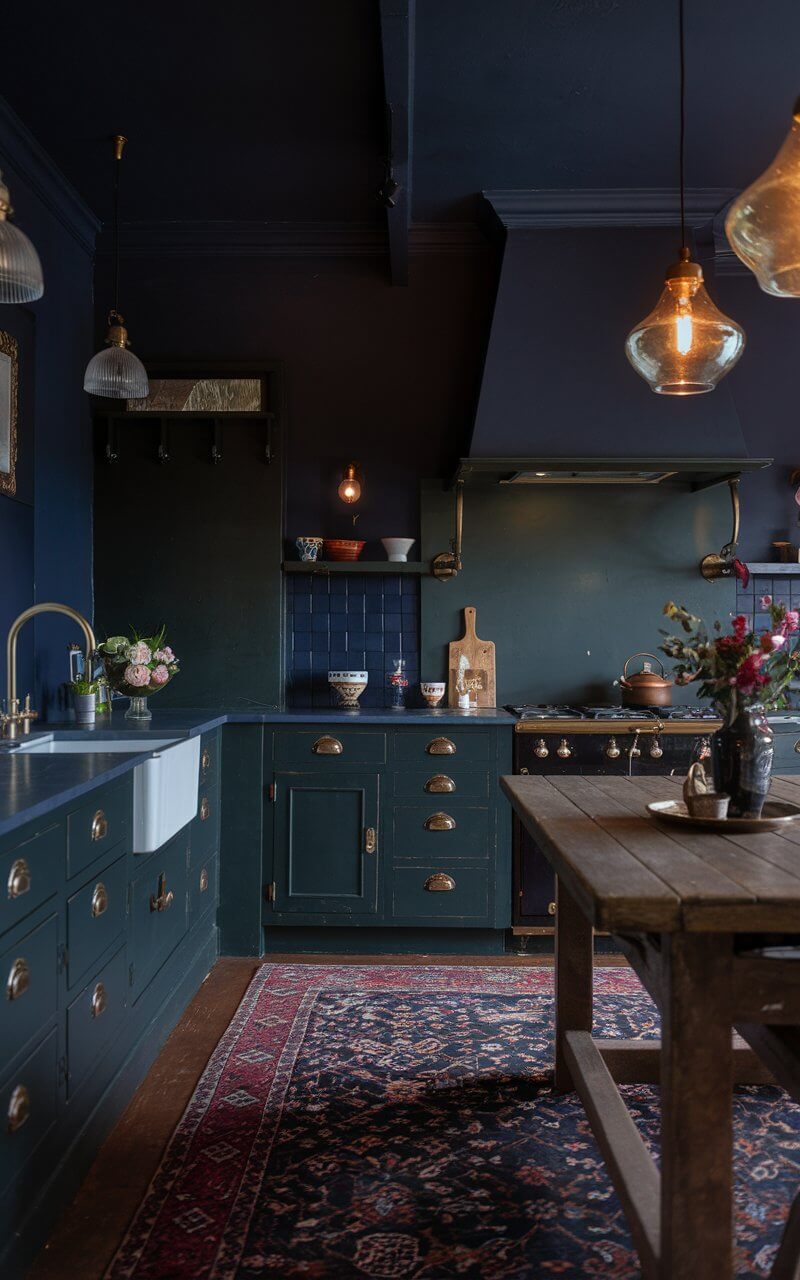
<point x="89" y="1233"/>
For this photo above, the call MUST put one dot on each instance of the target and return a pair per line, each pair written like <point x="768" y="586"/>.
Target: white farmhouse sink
<point x="164" y="787"/>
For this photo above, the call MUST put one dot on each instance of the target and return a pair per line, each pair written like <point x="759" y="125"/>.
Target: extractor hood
<point x="559" y="402"/>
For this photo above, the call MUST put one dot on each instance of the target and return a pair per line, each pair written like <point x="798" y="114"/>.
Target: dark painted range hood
<point x="559" y="402"/>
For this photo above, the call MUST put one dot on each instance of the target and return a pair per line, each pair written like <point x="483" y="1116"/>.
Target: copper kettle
<point x="645" y="688"/>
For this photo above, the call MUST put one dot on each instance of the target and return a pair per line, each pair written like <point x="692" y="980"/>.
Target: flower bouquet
<point x="137" y="667"/>
<point x="744" y="673"/>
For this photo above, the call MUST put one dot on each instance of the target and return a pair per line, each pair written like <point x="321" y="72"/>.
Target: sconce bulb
<point x="349" y="490"/>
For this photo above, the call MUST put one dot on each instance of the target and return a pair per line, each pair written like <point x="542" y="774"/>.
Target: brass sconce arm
<point x="722" y="566"/>
<point x="448" y="563"/>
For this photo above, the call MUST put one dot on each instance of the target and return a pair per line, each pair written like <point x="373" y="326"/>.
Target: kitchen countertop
<point x="32" y="786"/>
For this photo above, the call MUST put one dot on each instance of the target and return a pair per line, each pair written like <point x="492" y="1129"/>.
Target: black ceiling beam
<point x="397" y="46"/>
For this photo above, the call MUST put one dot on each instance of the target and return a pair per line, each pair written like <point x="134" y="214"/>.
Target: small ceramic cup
<point x="397" y="549"/>
<point x="711" y="805"/>
<point x="308" y="548"/>
<point x="348" y="687"/>
<point x="433" y="691"/>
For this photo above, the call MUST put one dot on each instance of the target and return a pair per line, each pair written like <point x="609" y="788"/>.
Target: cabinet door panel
<point x="323" y="863"/>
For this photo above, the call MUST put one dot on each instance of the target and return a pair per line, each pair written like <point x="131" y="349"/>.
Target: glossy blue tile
<point x="301" y="662"/>
<point x="355" y="585"/>
<point x="338" y="604"/>
<point x="301" y="604"/>
<point x="373" y="585"/>
<point x="373" y="643"/>
<point x="302" y="622"/>
<point x="319" y="622"/>
<point x="373" y="624"/>
<point x="339" y="660"/>
<point x="338" y="623"/>
<point x="319" y="587"/>
<point x="338" y="585"/>
<point x="356" y="659"/>
<point x="391" y="640"/>
<point x="391" y="585"/>
<point x="355" y="631"/>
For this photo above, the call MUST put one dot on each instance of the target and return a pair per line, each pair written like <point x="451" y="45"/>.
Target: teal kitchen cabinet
<point x="326" y="840"/>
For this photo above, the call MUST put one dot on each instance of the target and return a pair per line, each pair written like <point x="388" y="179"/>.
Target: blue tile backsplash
<point x="356" y="622"/>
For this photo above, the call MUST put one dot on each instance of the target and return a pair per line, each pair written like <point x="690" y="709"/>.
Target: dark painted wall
<point x="46" y="529"/>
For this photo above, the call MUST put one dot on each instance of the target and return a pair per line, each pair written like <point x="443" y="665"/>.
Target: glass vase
<point x="741" y="761"/>
<point x="396" y="685"/>
<point x="138" y="709"/>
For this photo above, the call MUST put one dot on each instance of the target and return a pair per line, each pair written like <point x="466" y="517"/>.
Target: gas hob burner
<point x="543" y="711"/>
<point x="621" y="713"/>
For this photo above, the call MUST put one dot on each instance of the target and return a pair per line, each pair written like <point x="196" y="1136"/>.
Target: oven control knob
<point x="656" y="751"/>
<point x="541" y="750"/>
<point x="612" y="750"/>
<point x="564" y="749"/>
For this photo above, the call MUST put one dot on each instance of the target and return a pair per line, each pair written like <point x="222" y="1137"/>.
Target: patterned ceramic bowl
<point x="433" y="691"/>
<point x="342" y="549"/>
<point x="348" y="686"/>
<point x="308" y="548"/>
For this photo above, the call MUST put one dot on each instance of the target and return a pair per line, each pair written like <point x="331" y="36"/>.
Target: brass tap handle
<point x="99" y="826"/>
<point x="439" y="783"/>
<point x="327" y="746"/>
<point x="19" y="1108"/>
<point x="370" y="840"/>
<point x="99" y="1000"/>
<point x="541" y="750"/>
<point x="19" y="878"/>
<point x="564" y="750"/>
<point x="19" y="979"/>
<point x="439" y="882"/>
<point x="439" y="822"/>
<point x="441" y="747"/>
<point x="205" y="809"/>
<point x="99" y="900"/>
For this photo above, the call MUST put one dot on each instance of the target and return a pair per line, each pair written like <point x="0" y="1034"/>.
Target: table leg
<point x="696" y="1104"/>
<point x="573" y="943"/>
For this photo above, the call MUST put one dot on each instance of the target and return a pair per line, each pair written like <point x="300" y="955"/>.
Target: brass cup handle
<point x="441" y="747"/>
<point x="439" y="822"/>
<point x="99" y="900"/>
<point x="19" y="1108"/>
<point x="440" y="783"/>
<point x="797" y="746"/>
<point x="19" y="878"/>
<point x="205" y="809"/>
<point x="99" y="826"/>
<point x="99" y="1000"/>
<point x="205" y="760"/>
<point x="439" y="882"/>
<point x="203" y="880"/>
<point x="19" y="979"/>
<point x="327" y="746"/>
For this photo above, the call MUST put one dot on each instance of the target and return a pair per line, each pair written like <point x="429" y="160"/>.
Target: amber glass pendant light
<point x="115" y="372"/>
<point x="686" y="345"/>
<point x="763" y="223"/>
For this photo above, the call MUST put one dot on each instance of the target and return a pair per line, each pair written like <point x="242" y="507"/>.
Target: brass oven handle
<point x="99" y="1000"/>
<point x="541" y="750"/>
<point x="439" y="783"/>
<point x="19" y="1108"/>
<point x="612" y="750"/>
<point x="19" y="878"/>
<point x="441" y="747"/>
<point x="564" y="750"/>
<point x="439" y="882"/>
<point x="205" y="760"/>
<point x="203" y="880"/>
<point x="327" y="746"/>
<point x="99" y="899"/>
<point x="370" y="840"/>
<point x="99" y="826"/>
<point x="439" y="822"/>
<point x="19" y="979"/>
<point x="205" y="809"/>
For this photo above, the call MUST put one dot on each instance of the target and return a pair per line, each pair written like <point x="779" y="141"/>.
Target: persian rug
<point x="399" y="1121"/>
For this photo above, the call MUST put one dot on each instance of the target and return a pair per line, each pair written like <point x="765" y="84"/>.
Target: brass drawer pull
<point x="99" y="826"/>
<point x="19" y="979"/>
<point x="99" y="1000"/>
<point x="203" y="880"/>
<point x="19" y="1108"/>
<point x="441" y="747"/>
<point x="19" y="878"/>
<point x="439" y="822"/>
<point x="164" y="900"/>
<point x="439" y="882"/>
<point x="440" y="783"/>
<point x="205" y="809"/>
<point x="205" y="760"/>
<point x="370" y="840"/>
<point x="327" y="746"/>
<point x="99" y="899"/>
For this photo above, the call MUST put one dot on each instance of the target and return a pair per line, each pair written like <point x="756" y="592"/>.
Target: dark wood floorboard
<point x="88" y="1234"/>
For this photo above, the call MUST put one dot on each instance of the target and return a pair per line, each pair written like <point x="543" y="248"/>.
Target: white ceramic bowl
<point x="433" y="691"/>
<point x="397" y="549"/>
<point x="348" y="686"/>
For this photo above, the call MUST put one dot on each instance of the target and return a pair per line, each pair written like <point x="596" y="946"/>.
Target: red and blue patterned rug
<point x="396" y="1122"/>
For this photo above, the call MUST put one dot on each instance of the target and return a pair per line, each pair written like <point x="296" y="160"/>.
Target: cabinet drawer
<point x="29" y="977"/>
<point x="31" y="872"/>
<point x="418" y="746"/>
<point x="423" y="830"/>
<point x="94" y="1018"/>
<point x="203" y="885"/>
<point x="95" y="917"/>
<point x="318" y="747"/>
<point x="27" y="1108"/>
<point x="440" y="780"/>
<point x="205" y="827"/>
<point x="158" y="910"/>
<point x="465" y="898"/>
<point x="209" y="761"/>
<point x="103" y="822"/>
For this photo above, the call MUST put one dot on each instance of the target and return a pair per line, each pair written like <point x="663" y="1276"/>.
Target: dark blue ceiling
<point x="274" y="110"/>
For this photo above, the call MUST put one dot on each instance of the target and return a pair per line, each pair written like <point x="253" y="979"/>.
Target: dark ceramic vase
<point x="741" y="760"/>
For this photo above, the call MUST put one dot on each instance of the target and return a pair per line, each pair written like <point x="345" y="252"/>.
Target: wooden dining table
<point x="693" y="912"/>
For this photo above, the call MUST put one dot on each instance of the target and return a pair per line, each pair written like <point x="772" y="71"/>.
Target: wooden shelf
<point x="767" y="570"/>
<point x="355" y="566"/>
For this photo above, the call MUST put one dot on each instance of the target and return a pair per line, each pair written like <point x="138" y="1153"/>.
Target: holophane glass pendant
<point x="21" y="277"/>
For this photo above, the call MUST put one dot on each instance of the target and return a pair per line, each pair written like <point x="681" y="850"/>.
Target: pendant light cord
<point x="682" y="145"/>
<point x="117" y="162"/>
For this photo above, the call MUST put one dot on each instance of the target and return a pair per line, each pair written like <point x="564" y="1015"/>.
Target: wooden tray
<point x="775" y="815"/>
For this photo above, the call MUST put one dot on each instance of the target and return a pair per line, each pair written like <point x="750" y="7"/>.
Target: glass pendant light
<point x="20" y="269"/>
<point x="686" y="344"/>
<point x="763" y="223"/>
<point x="115" y="372"/>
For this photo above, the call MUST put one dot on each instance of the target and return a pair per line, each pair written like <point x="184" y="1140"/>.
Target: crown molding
<point x="22" y="155"/>
<point x="551" y="209"/>
<point x="228" y="239"/>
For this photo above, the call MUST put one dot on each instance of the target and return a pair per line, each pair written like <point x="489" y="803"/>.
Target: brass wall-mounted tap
<point x="12" y="718"/>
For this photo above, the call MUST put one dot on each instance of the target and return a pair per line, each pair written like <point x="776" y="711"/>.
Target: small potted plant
<point x="84" y="699"/>
<point x="138" y="666"/>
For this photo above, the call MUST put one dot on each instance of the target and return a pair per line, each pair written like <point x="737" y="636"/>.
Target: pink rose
<point x="137" y="676"/>
<point x="160" y="675"/>
<point x="765" y="602"/>
<point x="792" y="619"/>
<point x="164" y="655"/>
<point x="139" y="653"/>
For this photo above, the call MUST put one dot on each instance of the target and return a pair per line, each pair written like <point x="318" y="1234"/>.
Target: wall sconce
<point x="726" y="564"/>
<point x="350" y="487"/>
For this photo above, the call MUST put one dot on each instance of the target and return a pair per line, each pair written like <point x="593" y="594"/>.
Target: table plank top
<point x="631" y="874"/>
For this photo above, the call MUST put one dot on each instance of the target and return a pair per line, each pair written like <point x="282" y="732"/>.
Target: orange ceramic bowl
<point x="341" y="549"/>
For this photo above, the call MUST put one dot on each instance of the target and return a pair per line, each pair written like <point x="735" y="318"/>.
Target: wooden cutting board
<point x="477" y="658"/>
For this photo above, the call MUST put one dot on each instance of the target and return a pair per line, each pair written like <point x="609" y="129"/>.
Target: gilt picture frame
<point x="9" y="404"/>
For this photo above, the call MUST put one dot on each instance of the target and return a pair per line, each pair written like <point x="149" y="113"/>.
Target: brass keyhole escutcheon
<point x="370" y="840"/>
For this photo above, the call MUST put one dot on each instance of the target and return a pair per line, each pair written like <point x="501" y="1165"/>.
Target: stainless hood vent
<point x="693" y="473"/>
